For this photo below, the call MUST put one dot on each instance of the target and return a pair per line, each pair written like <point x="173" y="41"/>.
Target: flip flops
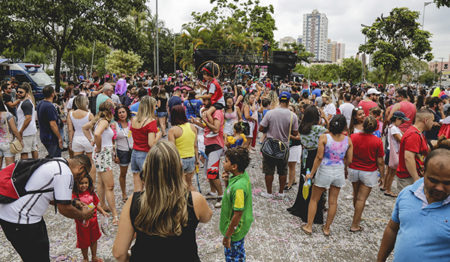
<point x="305" y="231"/>
<point x="358" y="230"/>
<point x="390" y="195"/>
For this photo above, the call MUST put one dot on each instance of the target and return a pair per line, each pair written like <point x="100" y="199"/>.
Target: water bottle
<point x="309" y="180"/>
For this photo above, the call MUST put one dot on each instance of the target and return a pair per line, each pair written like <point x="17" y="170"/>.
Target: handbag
<point x="276" y="149"/>
<point x="14" y="146"/>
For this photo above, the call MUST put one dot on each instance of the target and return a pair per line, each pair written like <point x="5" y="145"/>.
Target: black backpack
<point x="14" y="178"/>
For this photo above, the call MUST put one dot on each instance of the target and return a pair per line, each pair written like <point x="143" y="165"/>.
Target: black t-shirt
<point x="8" y="98"/>
<point x="162" y="108"/>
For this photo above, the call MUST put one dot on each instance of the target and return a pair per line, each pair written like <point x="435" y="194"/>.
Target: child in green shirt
<point x="236" y="215"/>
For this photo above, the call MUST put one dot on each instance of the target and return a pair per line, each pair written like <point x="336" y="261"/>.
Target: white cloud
<point x="344" y="18"/>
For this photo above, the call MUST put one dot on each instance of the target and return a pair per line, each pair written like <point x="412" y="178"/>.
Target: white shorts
<point x="295" y="153"/>
<point x="4" y="150"/>
<point x="368" y="178"/>
<point x="333" y="175"/>
<point x="81" y="144"/>
<point x="29" y="144"/>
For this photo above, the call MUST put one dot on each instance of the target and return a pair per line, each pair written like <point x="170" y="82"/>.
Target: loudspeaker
<point x="202" y="55"/>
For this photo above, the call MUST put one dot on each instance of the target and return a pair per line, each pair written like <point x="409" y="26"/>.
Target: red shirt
<point x="140" y="136"/>
<point x="414" y="141"/>
<point x="217" y="93"/>
<point x="216" y="140"/>
<point x="367" y="105"/>
<point x="366" y="149"/>
<point x="409" y="109"/>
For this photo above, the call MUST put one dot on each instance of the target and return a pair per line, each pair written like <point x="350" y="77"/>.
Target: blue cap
<point x="400" y="115"/>
<point x="285" y="96"/>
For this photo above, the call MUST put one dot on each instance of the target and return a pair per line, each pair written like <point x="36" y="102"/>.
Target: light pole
<point x="423" y="14"/>
<point x="174" y="53"/>
<point x="364" y="60"/>
<point x="440" y="74"/>
<point x="157" y="44"/>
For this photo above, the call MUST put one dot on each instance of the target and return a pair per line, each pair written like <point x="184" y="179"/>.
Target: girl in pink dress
<point x="88" y="231"/>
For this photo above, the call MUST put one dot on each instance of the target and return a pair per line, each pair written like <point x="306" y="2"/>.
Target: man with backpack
<point x="27" y="189"/>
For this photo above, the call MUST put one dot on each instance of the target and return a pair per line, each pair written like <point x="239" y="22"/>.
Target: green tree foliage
<point x="79" y="57"/>
<point x="428" y="78"/>
<point x="351" y="70"/>
<point x="394" y="38"/>
<point x="59" y="23"/>
<point x="241" y="25"/>
<point x="299" y="49"/>
<point x="412" y="68"/>
<point x="120" y="62"/>
<point x="441" y="3"/>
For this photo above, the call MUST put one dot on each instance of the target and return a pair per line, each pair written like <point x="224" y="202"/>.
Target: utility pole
<point x="92" y="60"/>
<point x="440" y="74"/>
<point x="423" y="14"/>
<point x="157" y="44"/>
<point x="174" y="54"/>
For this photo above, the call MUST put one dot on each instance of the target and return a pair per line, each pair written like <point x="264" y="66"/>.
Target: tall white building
<point x="315" y="35"/>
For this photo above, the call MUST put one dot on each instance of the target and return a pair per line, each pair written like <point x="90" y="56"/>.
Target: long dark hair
<point x="116" y="113"/>
<point x="355" y="110"/>
<point x="310" y="117"/>
<point x="90" y="189"/>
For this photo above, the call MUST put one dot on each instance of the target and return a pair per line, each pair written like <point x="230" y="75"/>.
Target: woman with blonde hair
<point x="164" y="215"/>
<point x="78" y="142"/>
<point x="144" y="130"/>
<point x="103" y="154"/>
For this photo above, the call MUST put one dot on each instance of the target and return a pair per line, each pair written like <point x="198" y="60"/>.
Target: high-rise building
<point x="315" y="35"/>
<point x="300" y="40"/>
<point x="286" y="40"/>
<point x="340" y="51"/>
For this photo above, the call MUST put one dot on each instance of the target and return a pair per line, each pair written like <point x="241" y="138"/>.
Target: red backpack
<point x="14" y="178"/>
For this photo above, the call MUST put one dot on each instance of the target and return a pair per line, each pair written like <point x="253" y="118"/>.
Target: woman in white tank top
<point x="78" y="142"/>
<point x="103" y="155"/>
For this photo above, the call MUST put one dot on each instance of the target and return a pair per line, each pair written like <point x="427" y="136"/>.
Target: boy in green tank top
<point x="236" y="215"/>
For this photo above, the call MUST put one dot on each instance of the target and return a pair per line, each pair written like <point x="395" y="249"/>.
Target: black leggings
<point x="30" y="241"/>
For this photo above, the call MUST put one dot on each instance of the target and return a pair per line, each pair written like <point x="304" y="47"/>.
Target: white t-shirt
<point x="329" y="109"/>
<point x="346" y="110"/>
<point x="29" y="209"/>
<point x="391" y="132"/>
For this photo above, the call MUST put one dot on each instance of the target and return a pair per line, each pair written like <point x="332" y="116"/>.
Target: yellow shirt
<point x="185" y="143"/>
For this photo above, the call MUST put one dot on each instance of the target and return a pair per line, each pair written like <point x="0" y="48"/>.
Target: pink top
<point x="216" y="140"/>
<point x="409" y="109"/>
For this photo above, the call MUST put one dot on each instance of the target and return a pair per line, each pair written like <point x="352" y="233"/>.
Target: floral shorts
<point x="103" y="160"/>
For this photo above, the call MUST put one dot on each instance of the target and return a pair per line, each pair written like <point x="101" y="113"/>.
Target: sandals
<point x="325" y="234"/>
<point x="305" y="231"/>
<point x="115" y="221"/>
<point x="358" y="230"/>
<point x="97" y="259"/>
<point x="390" y="195"/>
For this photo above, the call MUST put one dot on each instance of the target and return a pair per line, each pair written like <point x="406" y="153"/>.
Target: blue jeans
<point x="52" y="149"/>
<point x="236" y="253"/>
<point x="137" y="160"/>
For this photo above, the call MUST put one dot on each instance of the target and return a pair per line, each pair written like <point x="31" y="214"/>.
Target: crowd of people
<point x="368" y="134"/>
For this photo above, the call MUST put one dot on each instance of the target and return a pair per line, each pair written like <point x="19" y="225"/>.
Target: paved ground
<point x="275" y="234"/>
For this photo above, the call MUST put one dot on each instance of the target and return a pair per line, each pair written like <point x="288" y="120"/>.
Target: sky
<point x="344" y="18"/>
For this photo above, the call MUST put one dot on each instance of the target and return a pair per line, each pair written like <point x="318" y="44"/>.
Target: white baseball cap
<point x="373" y="91"/>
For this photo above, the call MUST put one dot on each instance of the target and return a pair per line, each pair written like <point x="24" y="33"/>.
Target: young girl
<point x="241" y="130"/>
<point x="88" y="232"/>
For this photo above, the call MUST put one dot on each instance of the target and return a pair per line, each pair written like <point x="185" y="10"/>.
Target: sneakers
<point x="211" y="195"/>
<point x="266" y="195"/>
<point x="211" y="134"/>
<point x="280" y="196"/>
<point x="218" y="203"/>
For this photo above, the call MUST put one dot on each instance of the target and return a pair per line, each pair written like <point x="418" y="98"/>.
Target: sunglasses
<point x="20" y="92"/>
<point x="358" y="108"/>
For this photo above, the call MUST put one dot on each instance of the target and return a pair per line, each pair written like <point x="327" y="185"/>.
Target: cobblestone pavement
<point x="274" y="236"/>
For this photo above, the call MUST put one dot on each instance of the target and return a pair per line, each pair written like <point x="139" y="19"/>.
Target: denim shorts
<point x="368" y="178"/>
<point x="124" y="157"/>
<point x="161" y="114"/>
<point x="188" y="164"/>
<point x="333" y="175"/>
<point x="137" y="160"/>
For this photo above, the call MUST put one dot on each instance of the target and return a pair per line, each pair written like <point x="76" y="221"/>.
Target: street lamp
<point x="423" y="14"/>
<point x="364" y="62"/>
<point x="157" y="44"/>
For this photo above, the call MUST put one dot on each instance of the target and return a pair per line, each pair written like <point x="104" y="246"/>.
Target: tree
<point x="394" y="38"/>
<point x="79" y="57"/>
<point x="351" y="70"/>
<point x="412" y="68"/>
<point x="120" y="62"/>
<point x="428" y="78"/>
<point x="440" y="3"/>
<point x="59" y="23"/>
<point x="299" y="49"/>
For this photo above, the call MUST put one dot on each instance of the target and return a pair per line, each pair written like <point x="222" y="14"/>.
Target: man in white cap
<point x="370" y="100"/>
